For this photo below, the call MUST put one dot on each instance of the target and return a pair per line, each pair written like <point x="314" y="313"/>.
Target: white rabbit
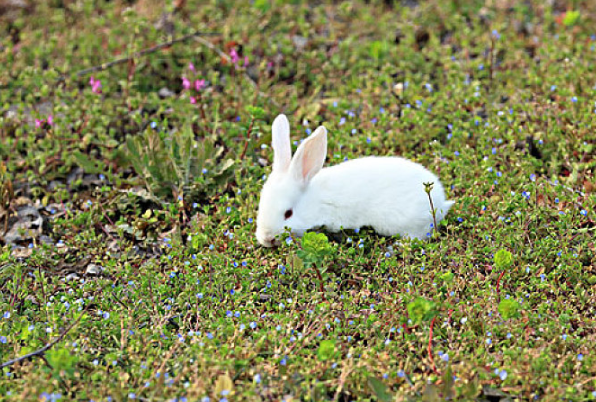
<point x="386" y="193"/>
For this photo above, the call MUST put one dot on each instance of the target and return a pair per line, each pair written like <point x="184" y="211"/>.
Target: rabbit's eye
<point x="288" y="214"/>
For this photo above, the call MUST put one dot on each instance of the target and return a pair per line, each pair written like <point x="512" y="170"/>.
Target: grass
<point x="146" y="272"/>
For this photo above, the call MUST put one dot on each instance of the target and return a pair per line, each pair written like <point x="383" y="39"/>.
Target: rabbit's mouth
<point x="267" y="241"/>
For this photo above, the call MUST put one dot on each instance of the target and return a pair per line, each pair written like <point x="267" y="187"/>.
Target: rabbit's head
<point x="280" y="206"/>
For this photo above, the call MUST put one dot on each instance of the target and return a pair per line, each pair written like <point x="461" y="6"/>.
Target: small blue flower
<point x="580" y="357"/>
<point x="496" y="34"/>
<point x="553" y="88"/>
<point x="3" y="339"/>
<point x="308" y="131"/>
<point x="574" y="99"/>
<point x="401" y="374"/>
<point x="253" y="325"/>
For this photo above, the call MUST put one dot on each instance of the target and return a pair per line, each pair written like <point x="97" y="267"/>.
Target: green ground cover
<point x="128" y="194"/>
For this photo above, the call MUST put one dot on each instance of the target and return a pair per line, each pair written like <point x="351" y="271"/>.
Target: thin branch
<point x="499" y="286"/>
<point x="428" y="188"/>
<point x="40" y="352"/>
<point x="430" y="345"/>
<point x="140" y="53"/>
<point x="229" y="59"/>
<point x="248" y="132"/>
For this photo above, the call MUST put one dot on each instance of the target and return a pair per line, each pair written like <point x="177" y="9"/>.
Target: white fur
<point x="386" y="193"/>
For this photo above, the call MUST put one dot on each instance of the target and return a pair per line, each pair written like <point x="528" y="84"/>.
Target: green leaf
<point x="379" y="389"/>
<point x="256" y="112"/>
<point x="503" y="259"/>
<point x="62" y="361"/>
<point x="86" y="163"/>
<point x="571" y="18"/>
<point x="420" y="310"/>
<point x="326" y="350"/>
<point x="315" y="246"/>
<point x="508" y="308"/>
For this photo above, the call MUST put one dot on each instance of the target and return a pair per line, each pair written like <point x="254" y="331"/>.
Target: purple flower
<point x="234" y="56"/>
<point x="199" y="84"/>
<point x="95" y="85"/>
<point x="185" y="83"/>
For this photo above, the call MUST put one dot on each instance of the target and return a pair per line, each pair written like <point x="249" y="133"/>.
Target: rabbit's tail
<point x="443" y="209"/>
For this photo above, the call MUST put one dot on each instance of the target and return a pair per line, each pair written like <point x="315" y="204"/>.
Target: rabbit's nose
<point x="270" y="242"/>
<point x="266" y="241"/>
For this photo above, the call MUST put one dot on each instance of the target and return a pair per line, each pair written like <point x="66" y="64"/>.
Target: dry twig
<point x="140" y="53"/>
<point x="40" y="352"/>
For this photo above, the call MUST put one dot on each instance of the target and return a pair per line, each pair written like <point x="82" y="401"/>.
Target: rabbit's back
<point x="387" y="193"/>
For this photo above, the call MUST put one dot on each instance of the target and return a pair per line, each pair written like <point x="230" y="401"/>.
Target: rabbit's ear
<point x="310" y="156"/>
<point x="280" y="141"/>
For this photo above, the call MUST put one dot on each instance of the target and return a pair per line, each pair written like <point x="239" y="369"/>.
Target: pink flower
<point x="185" y="83"/>
<point x="38" y="123"/>
<point x="193" y="100"/>
<point x="191" y="67"/>
<point x="234" y="56"/>
<point x="95" y="85"/>
<point x="51" y="120"/>
<point x="199" y="84"/>
<point x="245" y="61"/>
